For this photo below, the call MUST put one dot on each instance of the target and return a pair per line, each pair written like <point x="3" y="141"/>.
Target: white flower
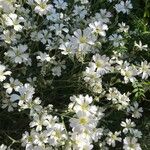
<point x="56" y="71"/>
<point x="99" y="66"/>
<point x="82" y="41"/>
<point x="117" y="40"/>
<point x="44" y="36"/>
<point x="131" y="144"/>
<point x="92" y="77"/>
<point x="57" y="134"/>
<point x="83" y="121"/>
<point x="99" y="28"/>
<point x="3" y="147"/>
<point x="113" y="94"/>
<point x="135" y="110"/>
<point x="124" y="6"/>
<point x="103" y="146"/>
<point x="129" y="73"/>
<point x="32" y="80"/>
<point x="18" y="54"/>
<point x="140" y="46"/>
<point x="34" y="106"/>
<point x="128" y="126"/>
<point x="7" y="5"/>
<point x="3" y="73"/>
<point x="97" y="134"/>
<point x="28" y="139"/>
<point x="25" y="96"/>
<point x="118" y="99"/>
<point x="43" y="57"/>
<point x="101" y="63"/>
<point x="120" y="64"/>
<point x="82" y="1"/>
<point x="144" y="70"/>
<point x="53" y="15"/>
<point x="13" y="20"/>
<point x="82" y="37"/>
<point x="112" y="138"/>
<point x="38" y="121"/>
<point x="123" y="27"/>
<point x="103" y="16"/>
<point x="90" y="74"/>
<point x="42" y="7"/>
<point x="97" y="87"/>
<point x="41" y="138"/>
<point x="80" y="11"/>
<point x="123" y="101"/>
<point x="8" y="103"/>
<point x="110" y="1"/>
<point x="14" y="84"/>
<point x="136" y="133"/>
<point x="82" y="103"/>
<point x="9" y="36"/>
<point x="59" y="29"/>
<point x="60" y="4"/>
<point x="42" y="120"/>
<point x="81" y="141"/>
<point x="67" y="48"/>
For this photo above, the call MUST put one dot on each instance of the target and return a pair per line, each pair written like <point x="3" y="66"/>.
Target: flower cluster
<point x="75" y="75"/>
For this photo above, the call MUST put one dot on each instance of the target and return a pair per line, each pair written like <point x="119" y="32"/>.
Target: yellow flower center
<point x="84" y="106"/>
<point x="128" y="73"/>
<point x="83" y="121"/>
<point x="43" y="5"/>
<point x="99" y="64"/>
<point x="83" y="39"/>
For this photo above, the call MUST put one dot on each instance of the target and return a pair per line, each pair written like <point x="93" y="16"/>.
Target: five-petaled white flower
<point x="42" y="8"/>
<point x="128" y="125"/>
<point x="131" y="144"/>
<point x="18" y="54"/>
<point x="99" y="28"/>
<point x="112" y="138"/>
<point x="144" y="70"/>
<point x="135" y="110"/>
<point x="3" y="73"/>
<point x="124" y="6"/>
<point x="140" y="46"/>
<point x="13" y="20"/>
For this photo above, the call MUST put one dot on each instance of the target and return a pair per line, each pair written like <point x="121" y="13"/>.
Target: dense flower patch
<point x="74" y="74"/>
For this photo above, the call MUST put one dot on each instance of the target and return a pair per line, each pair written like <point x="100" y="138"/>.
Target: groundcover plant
<point x="74" y="74"/>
